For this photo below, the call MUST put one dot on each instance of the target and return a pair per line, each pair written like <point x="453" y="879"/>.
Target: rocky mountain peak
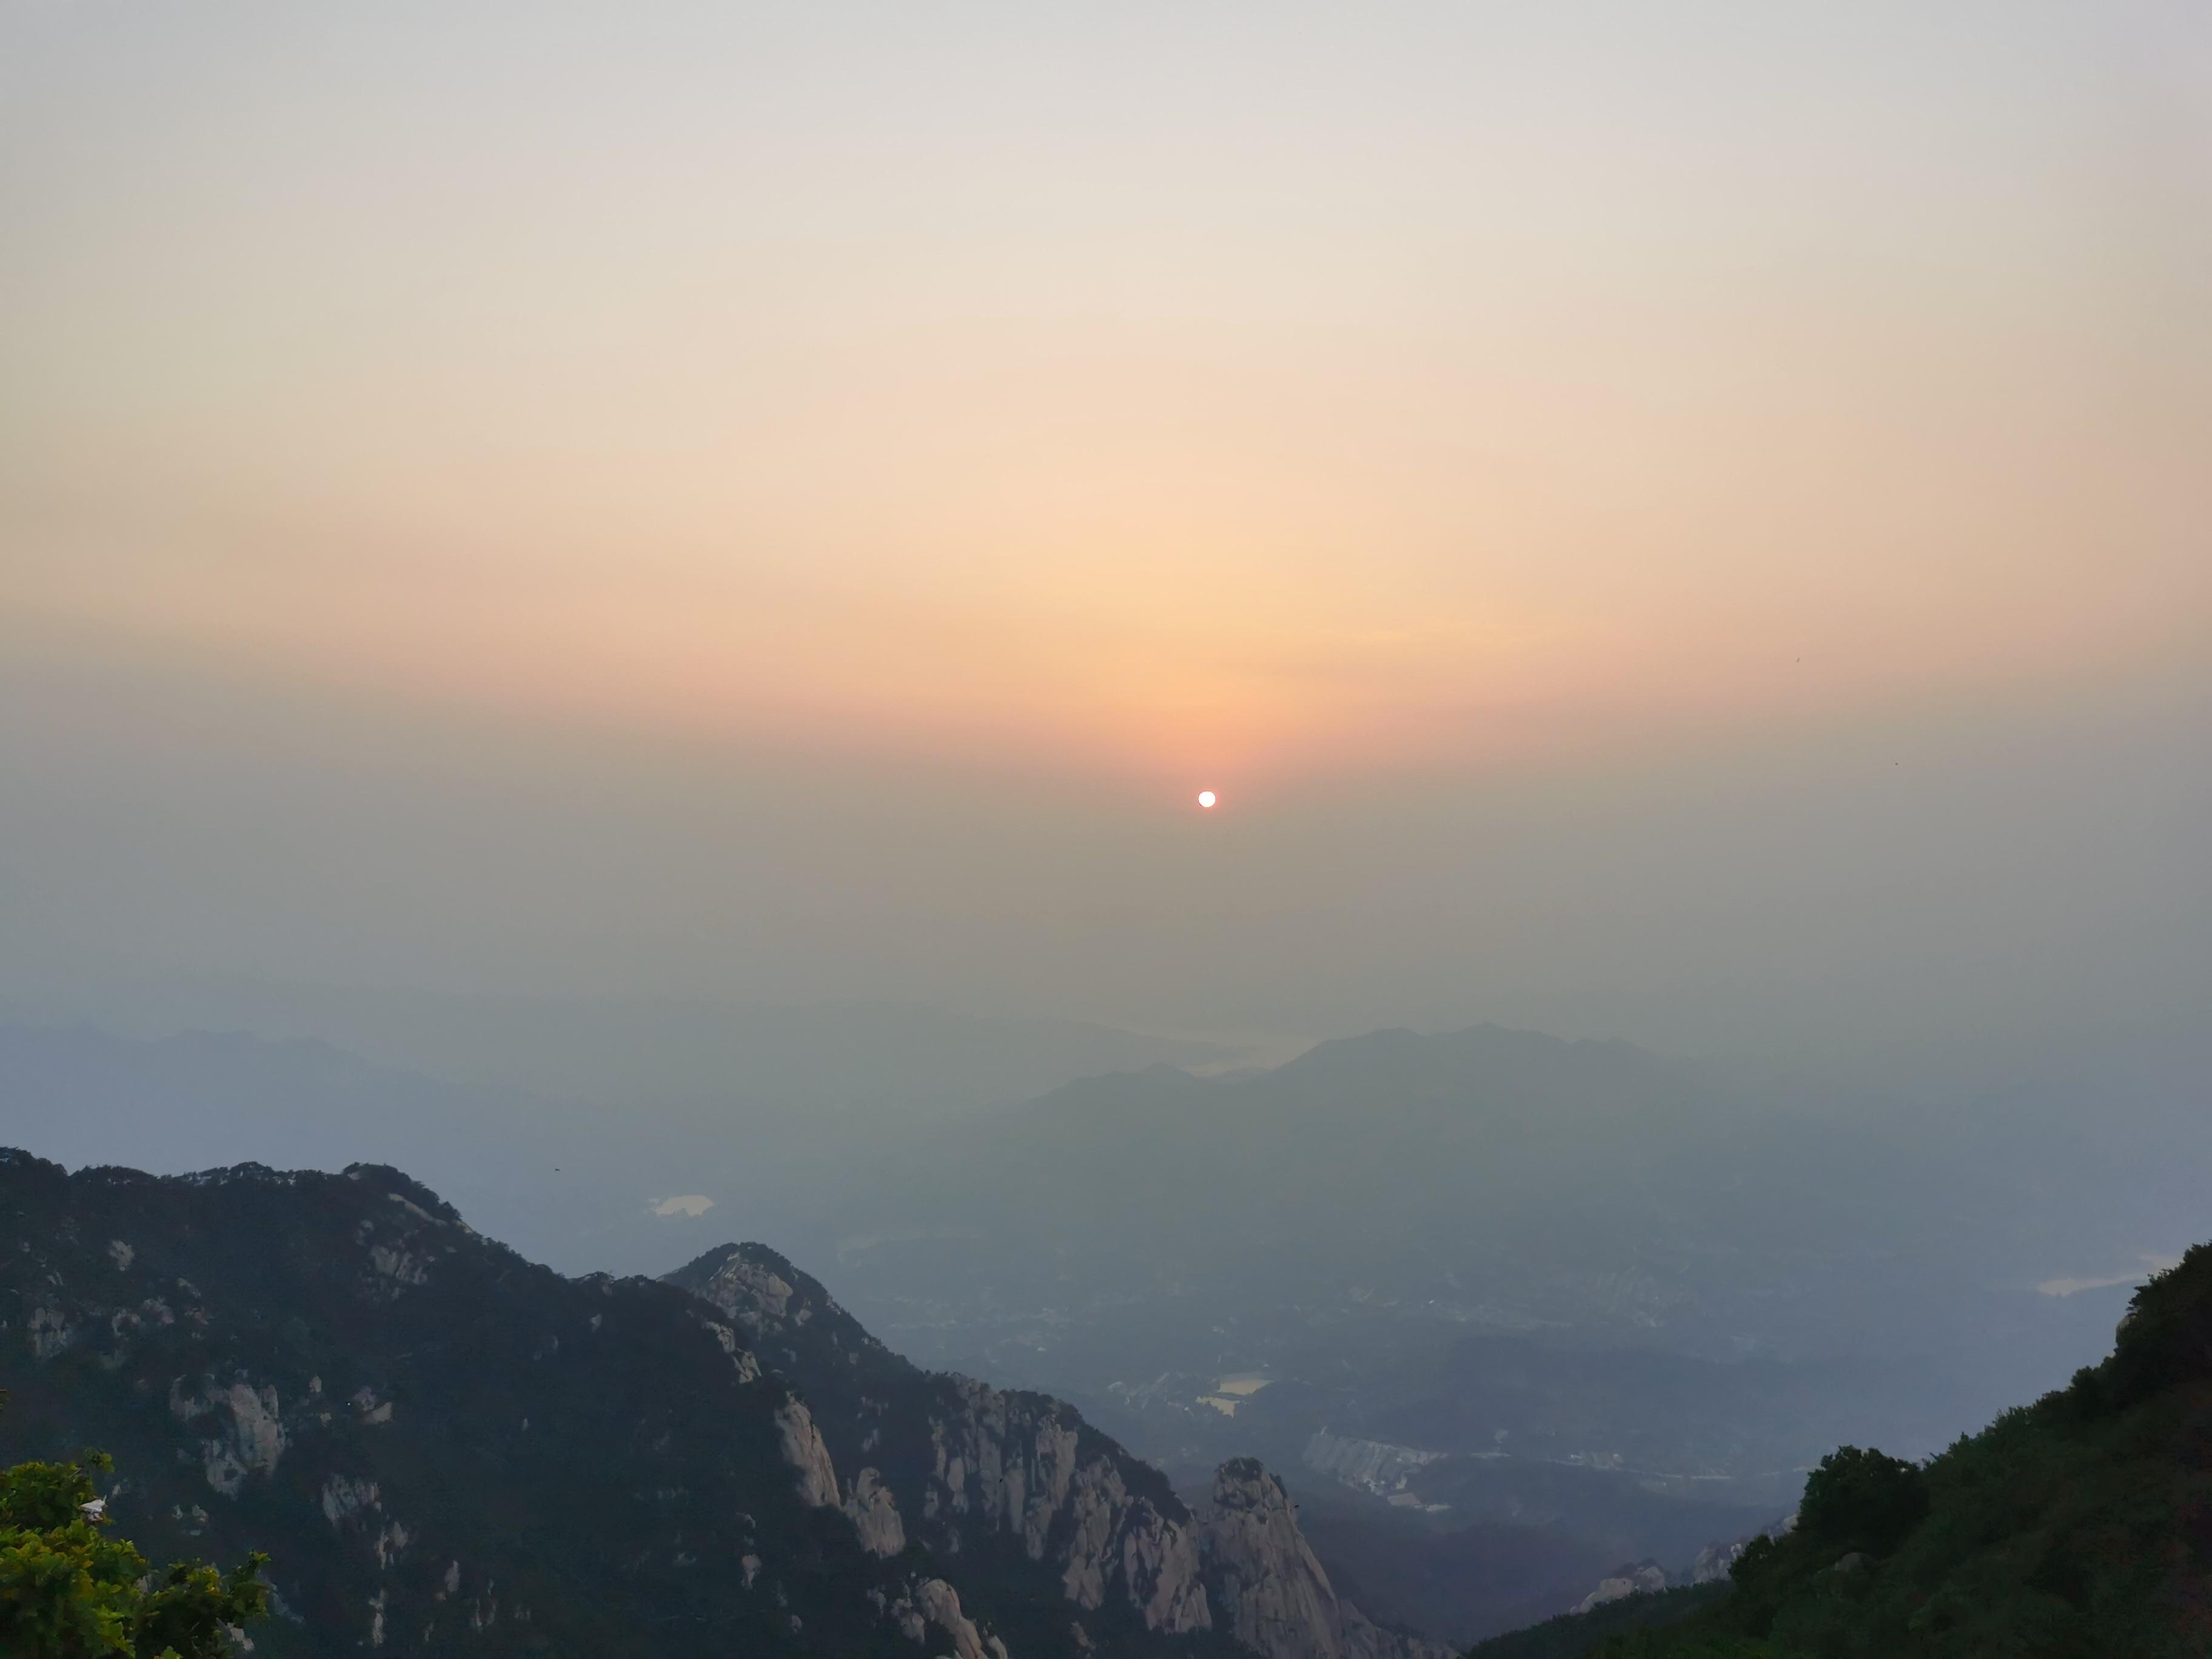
<point x="788" y="1315"/>
<point x="337" y="1369"/>
<point x="1271" y="1592"/>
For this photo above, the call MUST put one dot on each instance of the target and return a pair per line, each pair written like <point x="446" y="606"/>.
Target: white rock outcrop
<point x="748" y="1368"/>
<point x="1270" y="1591"/>
<point x="251" y="1443"/>
<point x="343" y="1498"/>
<point x="939" y="1604"/>
<point x="52" y="1333"/>
<point x="874" y="1514"/>
<point x="1647" y="1580"/>
<point x="817" y="1481"/>
<point x="1022" y="1467"/>
<point x="1013" y="1463"/>
<point x="1717" y="1561"/>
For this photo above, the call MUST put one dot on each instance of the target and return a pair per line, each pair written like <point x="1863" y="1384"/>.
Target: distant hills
<point x="1485" y="1214"/>
<point x="747" y="1059"/>
<point x="1594" y="1306"/>
<point x="553" y="1123"/>
<point x="1618" y="1301"/>
<point x="1516" y="1180"/>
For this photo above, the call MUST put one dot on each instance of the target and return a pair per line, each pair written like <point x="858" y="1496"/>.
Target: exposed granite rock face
<point x="1002" y="1461"/>
<point x="1269" y="1590"/>
<point x="1274" y="1595"/>
<point x="930" y="1604"/>
<point x="345" y="1498"/>
<point x="939" y="1603"/>
<point x="815" y="1479"/>
<point x="962" y="1466"/>
<point x="51" y="1334"/>
<point x="869" y="1504"/>
<point x="966" y="1468"/>
<point x="1646" y="1580"/>
<point x="789" y="1318"/>
<point x="250" y="1442"/>
<point x="1017" y="1463"/>
<point x="1717" y="1560"/>
<point x="748" y="1368"/>
<point x="337" y="1370"/>
<point x="356" y="1379"/>
<point x="1157" y="1557"/>
<point x="874" y="1514"/>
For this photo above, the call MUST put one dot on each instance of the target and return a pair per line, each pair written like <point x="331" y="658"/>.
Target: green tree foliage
<point x="1862" y="1500"/>
<point x="2077" y="1528"/>
<point x="2164" y="1340"/>
<point x="69" y="1589"/>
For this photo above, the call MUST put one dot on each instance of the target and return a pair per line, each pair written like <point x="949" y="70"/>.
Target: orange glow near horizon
<point x="1331" y="419"/>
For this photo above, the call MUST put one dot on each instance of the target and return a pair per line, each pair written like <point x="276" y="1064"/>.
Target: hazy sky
<point x="1687" y="518"/>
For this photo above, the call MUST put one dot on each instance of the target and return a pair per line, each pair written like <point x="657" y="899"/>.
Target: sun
<point x="1205" y="798"/>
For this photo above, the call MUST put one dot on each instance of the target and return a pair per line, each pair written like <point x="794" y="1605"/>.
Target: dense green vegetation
<point x="2073" y="1527"/>
<point x="70" y="1589"/>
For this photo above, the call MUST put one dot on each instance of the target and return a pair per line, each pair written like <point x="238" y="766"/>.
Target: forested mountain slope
<point x="2079" y="1525"/>
<point x="445" y="1448"/>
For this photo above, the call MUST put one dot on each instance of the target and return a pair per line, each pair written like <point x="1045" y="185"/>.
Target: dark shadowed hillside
<point x="443" y="1446"/>
<point x="2076" y="1525"/>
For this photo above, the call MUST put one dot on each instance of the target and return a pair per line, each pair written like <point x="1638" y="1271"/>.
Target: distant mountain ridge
<point x="1617" y="1300"/>
<point x="1509" y="1180"/>
<point x="1566" y="1273"/>
<point x="446" y="1448"/>
<point x="553" y="1123"/>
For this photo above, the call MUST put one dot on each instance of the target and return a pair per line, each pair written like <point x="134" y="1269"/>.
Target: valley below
<point x="1496" y="1321"/>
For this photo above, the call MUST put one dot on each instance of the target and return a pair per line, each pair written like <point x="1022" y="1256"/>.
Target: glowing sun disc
<point x="1205" y="798"/>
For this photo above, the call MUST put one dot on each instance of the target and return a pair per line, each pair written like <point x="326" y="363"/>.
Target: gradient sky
<point x="977" y="428"/>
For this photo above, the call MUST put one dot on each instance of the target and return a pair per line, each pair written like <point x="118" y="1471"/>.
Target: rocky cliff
<point x="966" y="1466"/>
<point x="960" y="1467"/>
<point x="445" y="1448"/>
<point x="1270" y="1591"/>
